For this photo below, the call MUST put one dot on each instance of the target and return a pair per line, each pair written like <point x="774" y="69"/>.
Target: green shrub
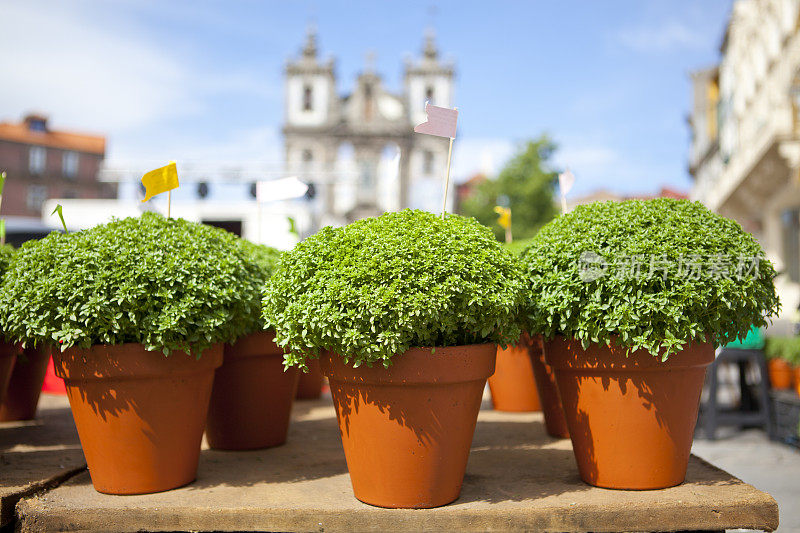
<point x="700" y="276"/>
<point x="261" y="261"/>
<point x="6" y="254"/>
<point x="379" y="286"/>
<point x="166" y="283"/>
<point x="786" y="348"/>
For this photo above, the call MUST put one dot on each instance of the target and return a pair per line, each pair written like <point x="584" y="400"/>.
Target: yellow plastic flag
<point x="160" y="180"/>
<point x="505" y="216"/>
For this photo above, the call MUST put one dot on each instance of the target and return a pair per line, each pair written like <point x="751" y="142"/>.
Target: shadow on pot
<point x="631" y="417"/>
<point x="140" y="415"/>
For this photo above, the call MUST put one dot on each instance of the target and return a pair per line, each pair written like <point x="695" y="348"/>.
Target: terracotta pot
<point x="407" y="429"/>
<point x="8" y="356"/>
<point x="140" y="415"/>
<point x="22" y="397"/>
<point x="797" y="379"/>
<point x="310" y="385"/>
<point x="252" y="397"/>
<point x="512" y="384"/>
<point x="780" y="373"/>
<point x="554" y="421"/>
<point x="631" y="418"/>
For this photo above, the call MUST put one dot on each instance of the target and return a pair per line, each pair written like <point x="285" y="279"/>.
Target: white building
<point x="359" y="153"/>
<point x="359" y="150"/>
<point x="745" y="123"/>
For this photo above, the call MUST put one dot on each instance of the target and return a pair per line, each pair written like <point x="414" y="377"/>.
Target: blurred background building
<point x="359" y="150"/>
<point x="745" y="126"/>
<point x="46" y="163"/>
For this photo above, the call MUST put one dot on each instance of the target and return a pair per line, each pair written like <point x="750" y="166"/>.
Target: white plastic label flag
<point x="565" y="182"/>
<point x="280" y="189"/>
<point x="441" y="121"/>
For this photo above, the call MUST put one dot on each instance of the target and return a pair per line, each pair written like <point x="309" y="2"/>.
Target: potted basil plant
<point x="633" y="298"/>
<point x="140" y="308"/>
<point x="22" y="369"/>
<point x="404" y="312"/>
<point x="8" y="350"/>
<point x="251" y="400"/>
<point x="781" y="352"/>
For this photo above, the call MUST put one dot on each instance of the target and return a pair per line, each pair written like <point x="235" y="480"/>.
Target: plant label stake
<point x="58" y="210"/>
<point x="441" y="122"/>
<point x="504" y="220"/>
<point x="565" y="182"/>
<point x="160" y="180"/>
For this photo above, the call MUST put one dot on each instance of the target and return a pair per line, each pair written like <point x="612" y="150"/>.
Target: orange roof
<point x="65" y="140"/>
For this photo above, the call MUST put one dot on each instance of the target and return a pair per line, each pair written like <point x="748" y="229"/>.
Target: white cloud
<point x="598" y="166"/>
<point x="89" y="69"/>
<point x="665" y="37"/>
<point x="472" y="155"/>
<point x="61" y="62"/>
<point x="586" y="157"/>
<point x="254" y="151"/>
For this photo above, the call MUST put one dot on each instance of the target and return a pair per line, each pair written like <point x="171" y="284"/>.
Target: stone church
<point x="359" y="150"/>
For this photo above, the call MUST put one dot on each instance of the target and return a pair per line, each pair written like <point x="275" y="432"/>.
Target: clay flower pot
<point x="554" y="421"/>
<point x="140" y="415"/>
<point x="8" y="356"/>
<point x="797" y="379"/>
<point x="780" y="373"/>
<point x="513" y="385"/>
<point x="25" y="386"/>
<point x="407" y="429"/>
<point x="631" y="418"/>
<point x="310" y="385"/>
<point x="252" y="395"/>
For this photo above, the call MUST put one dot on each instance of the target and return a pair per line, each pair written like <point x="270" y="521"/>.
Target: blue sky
<point x="202" y="81"/>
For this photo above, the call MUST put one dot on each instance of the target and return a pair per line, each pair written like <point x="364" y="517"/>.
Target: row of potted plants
<point x="140" y="312"/>
<point x="783" y="362"/>
<point x="404" y="313"/>
<point x="624" y="350"/>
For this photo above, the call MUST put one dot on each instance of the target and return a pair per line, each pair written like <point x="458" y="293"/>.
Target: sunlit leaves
<point x="166" y="283"/>
<point x="659" y="312"/>
<point x="6" y="253"/>
<point x="379" y="286"/>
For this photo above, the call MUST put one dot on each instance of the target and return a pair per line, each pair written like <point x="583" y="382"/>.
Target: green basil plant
<point x="168" y="284"/>
<point x="647" y="274"/>
<point x="379" y="286"/>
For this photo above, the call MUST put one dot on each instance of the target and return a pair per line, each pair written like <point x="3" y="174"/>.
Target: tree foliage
<point x="652" y="274"/>
<point x="527" y="186"/>
<point x="379" y="286"/>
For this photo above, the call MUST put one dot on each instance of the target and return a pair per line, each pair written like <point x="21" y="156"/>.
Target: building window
<point x="794" y="92"/>
<point x="368" y="102"/>
<point x="308" y="98"/>
<point x="37" y="194"/>
<point x="37" y="156"/>
<point x="427" y="162"/>
<point x="69" y="164"/>
<point x="429" y="93"/>
<point x="790" y="221"/>
<point x="37" y="124"/>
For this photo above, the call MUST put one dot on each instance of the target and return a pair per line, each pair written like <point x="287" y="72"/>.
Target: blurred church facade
<point x="745" y="126"/>
<point x="359" y="150"/>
